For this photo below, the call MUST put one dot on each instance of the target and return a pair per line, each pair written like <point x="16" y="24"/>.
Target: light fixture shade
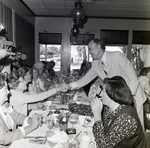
<point x="75" y="31"/>
<point x="78" y="12"/>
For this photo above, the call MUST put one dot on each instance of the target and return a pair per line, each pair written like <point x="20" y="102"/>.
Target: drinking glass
<point x="49" y="121"/>
<point x="73" y="119"/>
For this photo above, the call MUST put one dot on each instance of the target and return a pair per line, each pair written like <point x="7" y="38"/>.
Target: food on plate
<point x="57" y="139"/>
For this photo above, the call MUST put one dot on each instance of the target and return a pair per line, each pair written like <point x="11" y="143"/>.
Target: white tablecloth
<point x="41" y="132"/>
<point x="24" y="143"/>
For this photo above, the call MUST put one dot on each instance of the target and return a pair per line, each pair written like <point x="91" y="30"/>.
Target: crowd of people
<point x="116" y="97"/>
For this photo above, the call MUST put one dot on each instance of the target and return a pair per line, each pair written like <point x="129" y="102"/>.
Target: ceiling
<point x="133" y="9"/>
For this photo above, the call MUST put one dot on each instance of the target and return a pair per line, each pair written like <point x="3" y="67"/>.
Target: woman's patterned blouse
<point x="124" y="125"/>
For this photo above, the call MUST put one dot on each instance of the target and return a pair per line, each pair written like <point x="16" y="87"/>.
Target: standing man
<point x="110" y="64"/>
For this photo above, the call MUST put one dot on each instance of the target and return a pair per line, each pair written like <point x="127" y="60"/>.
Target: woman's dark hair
<point x="13" y="77"/>
<point x="99" y="42"/>
<point x="23" y="70"/>
<point x="144" y="71"/>
<point x="117" y="89"/>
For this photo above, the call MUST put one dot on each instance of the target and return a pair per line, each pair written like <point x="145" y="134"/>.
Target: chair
<point x="147" y="135"/>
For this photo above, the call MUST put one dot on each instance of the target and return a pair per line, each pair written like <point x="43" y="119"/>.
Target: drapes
<point x="25" y="38"/>
<point x="23" y="33"/>
<point x="6" y="19"/>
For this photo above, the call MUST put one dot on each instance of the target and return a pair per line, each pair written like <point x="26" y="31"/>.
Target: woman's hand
<point x="97" y="106"/>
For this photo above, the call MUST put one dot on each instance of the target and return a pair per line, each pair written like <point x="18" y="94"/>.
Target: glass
<point x="73" y="119"/>
<point x="49" y="121"/>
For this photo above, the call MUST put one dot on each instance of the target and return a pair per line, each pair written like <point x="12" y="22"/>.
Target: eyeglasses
<point x="98" y="95"/>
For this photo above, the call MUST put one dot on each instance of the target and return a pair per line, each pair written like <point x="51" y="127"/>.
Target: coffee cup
<point x="84" y="141"/>
<point x="48" y="104"/>
<point x="81" y="119"/>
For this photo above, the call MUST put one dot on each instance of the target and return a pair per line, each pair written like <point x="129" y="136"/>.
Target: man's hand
<point x="35" y="121"/>
<point x="4" y="53"/>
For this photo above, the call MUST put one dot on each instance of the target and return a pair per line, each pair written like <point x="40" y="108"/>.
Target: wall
<point x="22" y="29"/>
<point x="19" y="8"/>
<point x="93" y="26"/>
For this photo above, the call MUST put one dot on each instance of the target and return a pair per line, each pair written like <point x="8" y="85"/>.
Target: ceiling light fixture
<point x="75" y="31"/>
<point x="78" y="13"/>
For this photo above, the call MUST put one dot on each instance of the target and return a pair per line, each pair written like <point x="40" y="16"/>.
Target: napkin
<point x="59" y="137"/>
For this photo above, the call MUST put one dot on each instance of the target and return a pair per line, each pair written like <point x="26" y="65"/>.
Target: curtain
<point x="6" y="19"/>
<point x="25" y="39"/>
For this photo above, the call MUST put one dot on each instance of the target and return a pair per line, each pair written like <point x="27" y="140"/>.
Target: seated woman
<point x="44" y="76"/>
<point x="36" y="83"/>
<point x="50" y="67"/>
<point x="19" y="100"/>
<point x="46" y="80"/>
<point x="10" y="119"/>
<point x="25" y="78"/>
<point x="116" y="120"/>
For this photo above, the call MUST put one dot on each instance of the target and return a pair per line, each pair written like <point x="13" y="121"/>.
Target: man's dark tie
<point x="104" y="67"/>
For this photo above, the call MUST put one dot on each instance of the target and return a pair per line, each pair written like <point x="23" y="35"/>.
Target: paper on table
<point x="39" y="111"/>
<point x="24" y="143"/>
<point x="39" y="132"/>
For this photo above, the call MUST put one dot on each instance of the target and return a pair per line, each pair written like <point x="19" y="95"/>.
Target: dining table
<point x="37" y="138"/>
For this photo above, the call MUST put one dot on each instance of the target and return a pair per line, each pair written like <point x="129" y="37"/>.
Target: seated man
<point x="10" y="119"/>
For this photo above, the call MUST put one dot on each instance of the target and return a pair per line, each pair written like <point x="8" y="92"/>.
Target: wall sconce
<point x="75" y="31"/>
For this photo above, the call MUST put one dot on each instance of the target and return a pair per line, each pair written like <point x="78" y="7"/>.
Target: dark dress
<point x="119" y="129"/>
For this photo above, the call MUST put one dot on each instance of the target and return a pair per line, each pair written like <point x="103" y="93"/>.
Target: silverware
<point x="78" y="135"/>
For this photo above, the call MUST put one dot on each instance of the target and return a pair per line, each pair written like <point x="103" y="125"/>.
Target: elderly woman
<point x="25" y="78"/>
<point x="44" y="76"/>
<point x="118" y="125"/>
<point x="10" y="119"/>
<point x="36" y="85"/>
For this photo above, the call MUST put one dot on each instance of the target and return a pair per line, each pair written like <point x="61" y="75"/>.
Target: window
<point x="122" y="49"/>
<point x="51" y="53"/>
<point x="136" y="57"/>
<point x="50" y="48"/>
<point x="79" y="50"/>
<point x="114" y="37"/>
<point x="141" y="37"/>
<point x="78" y="54"/>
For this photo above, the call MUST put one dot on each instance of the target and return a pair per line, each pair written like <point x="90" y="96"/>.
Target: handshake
<point x="63" y="87"/>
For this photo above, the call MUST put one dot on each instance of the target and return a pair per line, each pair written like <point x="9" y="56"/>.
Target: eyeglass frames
<point x="101" y="89"/>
